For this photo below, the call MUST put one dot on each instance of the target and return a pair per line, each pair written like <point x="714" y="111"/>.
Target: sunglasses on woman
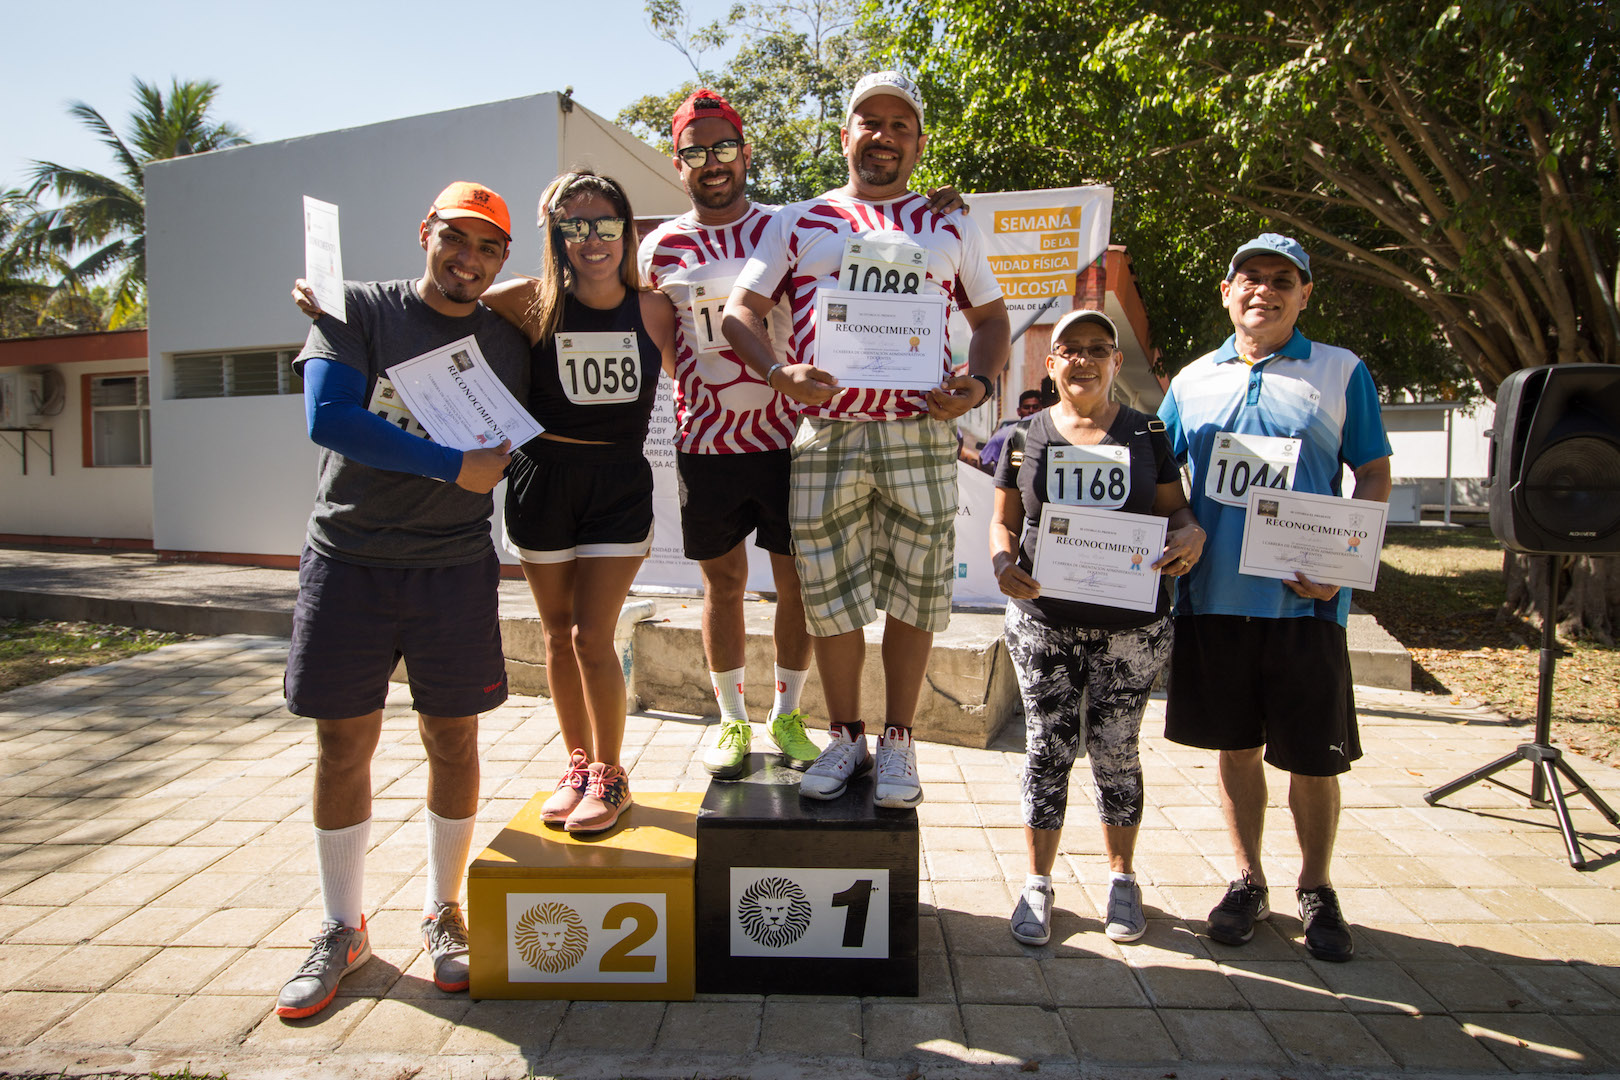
<point x="577" y="230"/>
<point x="725" y="152"/>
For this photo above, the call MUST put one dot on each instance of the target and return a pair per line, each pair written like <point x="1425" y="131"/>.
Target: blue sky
<point x="296" y="69"/>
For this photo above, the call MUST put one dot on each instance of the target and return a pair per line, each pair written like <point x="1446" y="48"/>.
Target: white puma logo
<point x="1339" y="748"/>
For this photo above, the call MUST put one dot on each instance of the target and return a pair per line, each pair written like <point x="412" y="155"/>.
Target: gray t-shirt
<point x="378" y="517"/>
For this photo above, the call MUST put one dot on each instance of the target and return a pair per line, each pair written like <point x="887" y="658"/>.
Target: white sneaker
<point x="829" y="776"/>
<point x="1032" y="918"/>
<point x="897" y="783"/>
<point x="1125" y="919"/>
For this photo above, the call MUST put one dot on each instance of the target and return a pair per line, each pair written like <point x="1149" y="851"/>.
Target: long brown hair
<point x="556" y="275"/>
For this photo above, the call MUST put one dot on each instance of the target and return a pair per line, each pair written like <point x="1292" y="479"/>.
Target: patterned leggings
<point x="1114" y="669"/>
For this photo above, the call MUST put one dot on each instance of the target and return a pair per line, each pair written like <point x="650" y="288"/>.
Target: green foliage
<point x="1460" y="157"/>
<point x="102" y="219"/>
<point x="797" y="62"/>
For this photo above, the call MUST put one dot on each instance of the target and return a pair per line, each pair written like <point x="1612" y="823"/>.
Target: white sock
<point x="1038" y="881"/>
<point x="449" y="842"/>
<point x="728" y="691"/>
<point x="340" y="858"/>
<point x="1115" y="875"/>
<point x="789" y="687"/>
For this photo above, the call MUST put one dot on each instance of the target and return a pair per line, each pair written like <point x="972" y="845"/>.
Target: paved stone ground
<point x="157" y="886"/>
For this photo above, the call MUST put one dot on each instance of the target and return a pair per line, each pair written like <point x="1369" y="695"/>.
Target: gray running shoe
<point x="444" y="936"/>
<point x="1032" y="918"/>
<point x="897" y="784"/>
<point x="338" y="950"/>
<point x="1125" y="919"/>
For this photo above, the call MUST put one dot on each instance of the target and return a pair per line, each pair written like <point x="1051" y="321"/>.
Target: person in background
<point x="1029" y="403"/>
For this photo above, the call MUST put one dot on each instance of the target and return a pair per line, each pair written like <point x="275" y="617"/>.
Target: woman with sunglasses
<point x="1064" y="651"/>
<point x="579" y="496"/>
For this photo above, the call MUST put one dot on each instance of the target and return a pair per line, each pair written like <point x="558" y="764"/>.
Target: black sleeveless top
<point x="588" y="390"/>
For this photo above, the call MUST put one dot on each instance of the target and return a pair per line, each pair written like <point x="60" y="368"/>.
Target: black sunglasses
<point x="725" y="152"/>
<point x="577" y="230"/>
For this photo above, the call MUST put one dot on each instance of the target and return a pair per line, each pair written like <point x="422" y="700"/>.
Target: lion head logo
<point x="550" y="937"/>
<point x="774" y="912"/>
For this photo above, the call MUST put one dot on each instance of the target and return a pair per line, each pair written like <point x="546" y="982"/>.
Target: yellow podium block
<point x="605" y="917"/>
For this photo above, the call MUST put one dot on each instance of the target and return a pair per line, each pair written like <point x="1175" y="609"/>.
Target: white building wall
<point x="1417" y="434"/>
<point x="78" y="502"/>
<point x="225" y="240"/>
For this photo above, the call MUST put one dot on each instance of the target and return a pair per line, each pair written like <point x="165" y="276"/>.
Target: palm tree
<point x="107" y="214"/>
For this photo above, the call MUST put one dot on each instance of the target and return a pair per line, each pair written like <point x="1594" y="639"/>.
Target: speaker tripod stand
<point x="1547" y="763"/>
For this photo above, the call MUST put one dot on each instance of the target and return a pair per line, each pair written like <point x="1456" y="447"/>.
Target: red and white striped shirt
<point x="804" y="250"/>
<point x="721" y="405"/>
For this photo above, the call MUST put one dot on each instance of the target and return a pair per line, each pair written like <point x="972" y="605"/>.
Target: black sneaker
<point x="1232" y="921"/>
<point x="1326" y="935"/>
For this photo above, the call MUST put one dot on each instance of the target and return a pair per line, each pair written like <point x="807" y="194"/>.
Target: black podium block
<point x="801" y="896"/>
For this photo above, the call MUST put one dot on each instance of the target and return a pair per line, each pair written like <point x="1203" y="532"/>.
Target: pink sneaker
<point x="607" y="795"/>
<point x="570" y="789"/>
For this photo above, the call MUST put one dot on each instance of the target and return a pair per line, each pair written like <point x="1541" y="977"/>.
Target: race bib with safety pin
<point x="883" y="266"/>
<point x="708" y="305"/>
<point x="1240" y="462"/>
<point x="1095" y="476"/>
<point x="601" y="367"/>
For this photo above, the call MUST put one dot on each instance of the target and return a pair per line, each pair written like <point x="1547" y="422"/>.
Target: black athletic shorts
<point x="1237" y="683"/>
<point x="575" y="500"/>
<point x="724" y="497"/>
<point x="352" y="623"/>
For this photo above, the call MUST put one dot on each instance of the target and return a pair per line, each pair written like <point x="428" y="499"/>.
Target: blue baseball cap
<point x="1272" y="244"/>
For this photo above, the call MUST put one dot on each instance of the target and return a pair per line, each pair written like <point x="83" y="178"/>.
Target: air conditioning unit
<point x="21" y="395"/>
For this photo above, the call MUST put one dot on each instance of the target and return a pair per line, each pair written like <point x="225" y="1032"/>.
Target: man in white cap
<point x="874" y="488"/>
<point x="1260" y="669"/>
<point x="398" y="562"/>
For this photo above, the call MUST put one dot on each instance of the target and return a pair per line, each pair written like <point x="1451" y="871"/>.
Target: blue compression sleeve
<point x="335" y="412"/>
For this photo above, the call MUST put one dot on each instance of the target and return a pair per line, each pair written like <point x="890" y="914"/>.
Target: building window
<point x="238" y="374"/>
<point x="120" y="421"/>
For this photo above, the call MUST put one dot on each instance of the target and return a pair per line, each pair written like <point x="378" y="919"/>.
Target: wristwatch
<point x="989" y="387"/>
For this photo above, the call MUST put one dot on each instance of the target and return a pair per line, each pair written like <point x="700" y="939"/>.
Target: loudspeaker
<point x="1555" y="460"/>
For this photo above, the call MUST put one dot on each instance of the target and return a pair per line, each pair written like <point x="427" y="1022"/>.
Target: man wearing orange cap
<point x="398" y="562"/>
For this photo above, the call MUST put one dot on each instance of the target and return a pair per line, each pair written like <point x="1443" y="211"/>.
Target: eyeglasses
<point x="725" y="152"/>
<point x="1089" y="352"/>
<point x="1283" y="282"/>
<point x="577" y="230"/>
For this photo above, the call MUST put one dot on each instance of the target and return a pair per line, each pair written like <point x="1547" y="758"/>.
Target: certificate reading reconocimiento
<point x="1329" y="539"/>
<point x="1099" y="556"/>
<point x="458" y="398"/>
<point x="888" y="341"/>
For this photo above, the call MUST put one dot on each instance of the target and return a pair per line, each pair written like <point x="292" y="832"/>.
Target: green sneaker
<point x="729" y="755"/>
<point x="787" y="732"/>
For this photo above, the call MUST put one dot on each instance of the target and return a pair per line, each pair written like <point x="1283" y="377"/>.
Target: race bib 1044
<point x="890" y="265"/>
<point x="1240" y="462"/>
<point x="1097" y="476"/>
<point x="601" y="367"/>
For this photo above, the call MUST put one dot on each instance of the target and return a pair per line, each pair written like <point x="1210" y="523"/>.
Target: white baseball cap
<point x="887" y="82"/>
<point x="1084" y="315"/>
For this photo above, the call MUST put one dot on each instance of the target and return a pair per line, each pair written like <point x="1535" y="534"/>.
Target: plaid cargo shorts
<point x="873" y="511"/>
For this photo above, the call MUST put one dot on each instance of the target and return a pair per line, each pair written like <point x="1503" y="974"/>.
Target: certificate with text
<point x="1099" y="556"/>
<point x="1331" y="540"/>
<point x="455" y="394"/>
<point x="323" y="257"/>
<point x="888" y="341"/>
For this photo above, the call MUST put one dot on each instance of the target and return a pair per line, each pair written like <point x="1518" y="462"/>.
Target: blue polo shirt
<point x="1319" y="394"/>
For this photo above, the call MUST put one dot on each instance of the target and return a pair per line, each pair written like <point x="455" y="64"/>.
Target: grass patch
<point x="33" y="650"/>
<point x="1439" y="593"/>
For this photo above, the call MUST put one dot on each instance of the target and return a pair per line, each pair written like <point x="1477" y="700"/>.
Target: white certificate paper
<point x="1099" y="556"/>
<point x="458" y="398"/>
<point x="1331" y="540"/>
<point x="323" y="256"/>
<point x="890" y="341"/>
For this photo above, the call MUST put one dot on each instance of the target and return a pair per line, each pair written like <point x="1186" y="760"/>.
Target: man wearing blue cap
<point x="1261" y="670"/>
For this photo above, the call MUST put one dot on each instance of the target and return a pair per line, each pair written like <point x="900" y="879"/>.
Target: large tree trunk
<point x="1588" y="593"/>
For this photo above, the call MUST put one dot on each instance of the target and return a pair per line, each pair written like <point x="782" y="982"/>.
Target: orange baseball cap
<point x="464" y="199"/>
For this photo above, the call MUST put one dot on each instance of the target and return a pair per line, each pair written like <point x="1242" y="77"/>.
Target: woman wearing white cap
<point x="1068" y="652"/>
